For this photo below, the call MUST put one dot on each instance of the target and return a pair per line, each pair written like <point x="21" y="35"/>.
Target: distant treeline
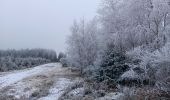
<point x="25" y="53"/>
<point x="25" y="58"/>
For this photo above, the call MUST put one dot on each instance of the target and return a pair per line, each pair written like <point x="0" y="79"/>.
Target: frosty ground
<point x="45" y="82"/>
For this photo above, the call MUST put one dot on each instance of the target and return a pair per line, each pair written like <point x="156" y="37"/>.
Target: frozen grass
<point x="12" y="78"/>
<point x="46" y="82"/>
<point x="58" y="89"/>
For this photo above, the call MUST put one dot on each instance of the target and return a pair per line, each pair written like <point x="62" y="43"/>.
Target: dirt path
<point x="45" y="82"/>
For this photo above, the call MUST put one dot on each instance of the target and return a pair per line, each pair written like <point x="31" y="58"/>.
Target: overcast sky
<point x="41" y="23"/>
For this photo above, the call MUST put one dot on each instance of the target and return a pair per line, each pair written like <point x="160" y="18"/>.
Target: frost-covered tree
<point x="137" y="28"/>
<point x="83" y="44"/>
<point x="112" y="66"/>
<point x="35" y="53"/>
<point x="155" y="64"/>
<point x="19" y="59"/>
<point x="60" y="56"/>
<point x="135" y="22"/>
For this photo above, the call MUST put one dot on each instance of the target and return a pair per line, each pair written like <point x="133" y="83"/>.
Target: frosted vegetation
<point x="126" y="44"/>
<point x="19" y="59"/>
<point x="122" y="53"/>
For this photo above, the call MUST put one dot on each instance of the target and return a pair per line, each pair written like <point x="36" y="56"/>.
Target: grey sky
<point x="40" y="23"/>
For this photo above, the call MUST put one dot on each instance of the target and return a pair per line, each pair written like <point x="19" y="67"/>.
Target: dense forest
<point x="125" y="46"/>
<point x="26" y="58"/>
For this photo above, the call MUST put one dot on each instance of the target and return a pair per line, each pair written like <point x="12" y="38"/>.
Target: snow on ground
<point x="12" y="78"/>
<point x="112" y="96"/>
<point x="45" y="82"/>
<point x="58" y="89"/>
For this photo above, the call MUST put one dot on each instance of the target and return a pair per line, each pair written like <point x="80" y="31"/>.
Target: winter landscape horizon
<point x="85" y="50"/>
